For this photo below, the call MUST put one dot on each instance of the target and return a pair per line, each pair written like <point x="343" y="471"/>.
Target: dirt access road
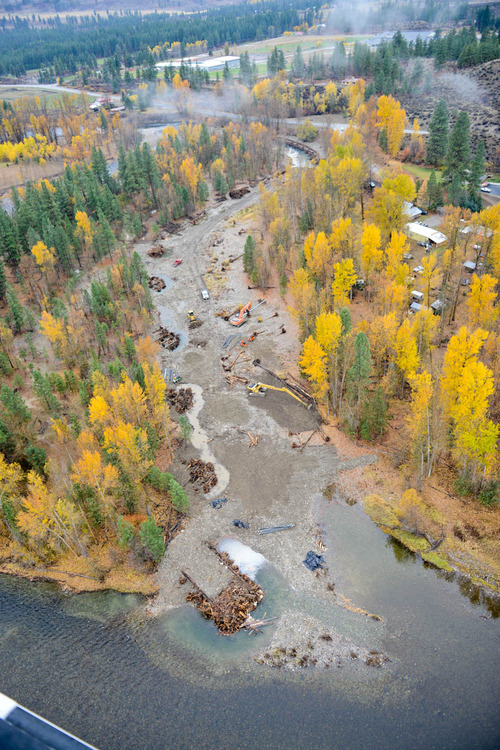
<point x="270" y="483"/>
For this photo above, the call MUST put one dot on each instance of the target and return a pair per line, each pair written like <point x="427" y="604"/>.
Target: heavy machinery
<point x="238" y="320"/>
<point x="244" y="313"/>
<point x="261" y="388"/>
<point x="191" y="316"/>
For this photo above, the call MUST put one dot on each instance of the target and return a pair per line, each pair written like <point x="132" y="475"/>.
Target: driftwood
<point x="168" y="339"/>
<point x="156" y="251"/>
<point x="180" y="398"/>
<point x="274" y="529"/>
<point x="230" y="609"/>
<point x="253" y="440"/>
<point x="304" y="444"/>
<point x="203" y="473"/>
<point x="239" y="192"/>
<point x="155" y="283"/>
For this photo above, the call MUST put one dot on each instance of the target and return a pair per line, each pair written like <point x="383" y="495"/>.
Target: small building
<point x="470" y="266"/>
<point x="418" y="269"/>
<point x="420" y="233"/>
<point x="417" y="296"/>
<point x="437" y="307"/>
<point x="411" y="210"/>
<point x="415" y="307"/>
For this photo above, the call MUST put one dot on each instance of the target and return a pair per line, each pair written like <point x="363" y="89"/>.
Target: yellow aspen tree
<point x="475" y="435"/>
<point x="99" y="411"/>
<point x="92" y="471"/>
<point x="128" y="402"/>
<point x="395" y="251"/>
<point x="344" y="278"/>
<point x="130" y="445"/>
<point x="424" y="328"/>
<point x="421" y="422"/>
<point x="481" y="301"/>
<point x="84" y="226"/>
<point x="49" y="521"/>
<point x="342" y="237"/>
<point x="429" y="274"/>
<point x="371" y="253"/>
<point x="328" y="332"/>
<point x="382" y="340"/>
<point x="461" y="349"/>
<point x="147" y="350"/>
<point x="45" y="257"/>
<point x="11" y="476"/>
<point x="406" y="351"/>
<point x="303" y="293"/>
<point x="312" y="362"/>
<point x="318" y="256"/>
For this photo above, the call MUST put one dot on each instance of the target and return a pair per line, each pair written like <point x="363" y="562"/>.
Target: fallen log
<point x="274" y="529"/>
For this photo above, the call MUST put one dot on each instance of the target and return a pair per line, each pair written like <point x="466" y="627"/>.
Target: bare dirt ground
<point x="270" y="483"/>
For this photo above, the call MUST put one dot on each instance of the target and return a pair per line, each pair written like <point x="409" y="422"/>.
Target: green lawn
<point x="422" y="173"/>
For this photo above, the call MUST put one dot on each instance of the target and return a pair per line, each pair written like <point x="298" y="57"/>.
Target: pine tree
<point x="3" y="281"/>
<point x="16" y="317"/>
<point x="152" y="539"/>
<point x="458" y="154"/>
<point x="437" y="144"/>
<point x="248" y="255"/>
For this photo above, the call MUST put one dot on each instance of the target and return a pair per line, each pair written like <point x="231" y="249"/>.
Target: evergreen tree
<point x="3" y="281"/>
<point x="437" y="143"/>
<point x="298" y="64"/>
<point x="16" y="317"/>
<point x="152" y="539"/>
<point x="458" y="154"/>
<point x="248" y="255"/>
<point x="374" y="415"/>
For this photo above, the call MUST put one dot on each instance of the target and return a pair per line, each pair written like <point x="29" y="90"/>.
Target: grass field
<point x="422" y="173"/>
<point x="12" y="93"/>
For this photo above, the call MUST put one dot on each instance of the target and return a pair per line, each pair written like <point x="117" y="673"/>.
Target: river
<point x="101" y="668"/>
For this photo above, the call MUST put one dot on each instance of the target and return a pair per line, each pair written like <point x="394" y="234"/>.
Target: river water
<point x="100" y="667"/>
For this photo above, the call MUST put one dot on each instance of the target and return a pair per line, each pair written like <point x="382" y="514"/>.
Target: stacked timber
<point x="180" y="398"/>
<point x="155" y="283"/>
<point x="239" y="192"/>
<point x="168" y="339"/>
<point x="203" y="473"/>
<point x="156" y="251"/>
<point x="230" y="609"/>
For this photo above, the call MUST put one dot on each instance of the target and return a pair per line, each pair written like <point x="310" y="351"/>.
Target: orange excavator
<point x="244" y="313"/>
<point x="238" y="320"/>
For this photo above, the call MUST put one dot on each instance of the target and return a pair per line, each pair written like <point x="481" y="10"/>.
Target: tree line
<point x="74" y="45"/>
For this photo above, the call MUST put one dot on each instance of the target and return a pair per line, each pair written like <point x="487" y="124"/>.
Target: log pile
<point x="156" y="251"/>
<point x="154" y="282"/>
<point x="203" y="473"/>
<point x="193" y="324"/>
<point x="239" y="192"/>
<point x="168" y="339"/>
<point x="230" y="609"/>
<point x="180" y="398"/>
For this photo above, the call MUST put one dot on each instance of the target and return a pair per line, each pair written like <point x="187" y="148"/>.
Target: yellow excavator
<point x="261" y="388"/>
<point x="191" y="316"/>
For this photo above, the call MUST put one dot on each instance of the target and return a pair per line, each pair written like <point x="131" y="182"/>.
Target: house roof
<point x="411" y="210"/>
<point x="430" y="234"/>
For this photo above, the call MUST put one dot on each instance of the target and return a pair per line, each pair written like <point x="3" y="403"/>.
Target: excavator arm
<point x="262" y="388"/>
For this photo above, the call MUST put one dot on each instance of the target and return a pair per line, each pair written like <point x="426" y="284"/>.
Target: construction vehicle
<point x="191" y="316"/>
<point x="244" y="313"/>
<point x="261" y="388"/>
<point x="238" y="320"/>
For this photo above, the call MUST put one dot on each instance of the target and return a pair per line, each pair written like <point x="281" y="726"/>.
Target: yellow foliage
<point x="344" y="278"/>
